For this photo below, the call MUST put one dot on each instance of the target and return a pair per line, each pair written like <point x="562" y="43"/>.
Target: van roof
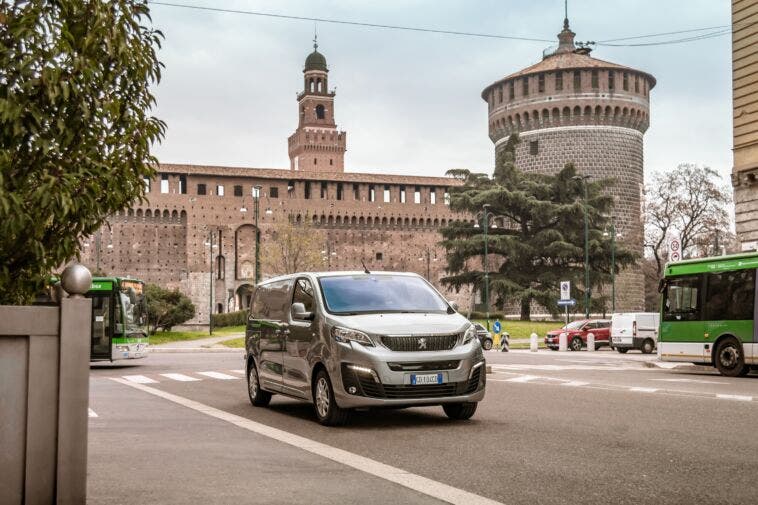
<point x="336" y="273"/>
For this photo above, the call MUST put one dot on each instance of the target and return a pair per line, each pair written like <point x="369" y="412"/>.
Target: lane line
<point x="523" y="378"/>
<point x="139" y="379"/>
<point x="575" y="384"/>
<point x="643" y="389"/>
<point x="424" y="485"/>
<point x="740" y="398"/>
<point x="241" y="372"/>
<point x="695" y="381"/>
<point x="91" y="413"/>
<point x="218" y="375"/>
<point x="180" y="377"/>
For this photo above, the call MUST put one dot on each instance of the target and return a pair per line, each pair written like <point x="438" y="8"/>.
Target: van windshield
<point x="363" y="294"/>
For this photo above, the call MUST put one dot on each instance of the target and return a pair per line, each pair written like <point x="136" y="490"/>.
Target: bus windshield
<point x="134" y="305"/>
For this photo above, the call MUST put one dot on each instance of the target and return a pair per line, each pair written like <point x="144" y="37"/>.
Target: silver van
<point x="346" y="340"/>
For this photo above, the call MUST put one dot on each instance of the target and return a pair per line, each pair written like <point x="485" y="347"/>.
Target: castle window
<point x="534" y="147"/>
<point x="220" y="190"/>
<point x="626" y="81"/>
<point x="371" y="193"/>
<point x="220" y="267"/>
<point x="273" y="192"/>
<point x="432" y="195"/>
<point x="541" y="83"/>
<point x="417" y="194"/>
<point x="331" y="161"/>
<point x="511" y="91"/>
<point x="320" y="112"/>
<point x="238" y="190"/>
<point x="315" y="161"/>
<point x="340" y="190"/>
<point x="146" y="180"/>
<point x="611" y="80"/>
<point x="636" y="84"/>
<point x="446" y="197"/>
<point x="525" y="86"/>
<point x="595" y="80"/>
<point x="307" y="189"/>
<point x="387" y="195"/>
<point x="500" y="95"/>
<point x="201" y="189"/>
<point x="379" y="256"/>
<point x="183" y="184"/>
<point x="323" y="189"/>
<point x="164" y="183"/>
<point x="402" y="194"/>
<point x="577" y="80"/>
<point x="356" y="191"/>
<point x="559" y="81"/>
<point x="290" y="185"/>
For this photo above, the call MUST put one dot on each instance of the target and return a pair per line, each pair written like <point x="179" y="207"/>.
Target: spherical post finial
<point x="76" y="280"/>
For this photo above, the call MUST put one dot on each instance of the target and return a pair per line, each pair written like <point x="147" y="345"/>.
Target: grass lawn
<point x="237" y="343"/>
<point x="163" y="337"/>
<point x="523" y="329"/>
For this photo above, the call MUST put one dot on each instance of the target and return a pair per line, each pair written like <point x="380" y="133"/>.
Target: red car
<point x="577" y="331"/>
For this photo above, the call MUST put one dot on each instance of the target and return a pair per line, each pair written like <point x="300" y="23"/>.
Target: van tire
<point x="459" y="411"/>
<point x="487" y="344"/>
<point x="622" y="350"/>
<point x="730" y="359"/>
<point x="648" y="346"/>
<point x="258" y="397"/>
<point x="327" y="411"/>
<point x="576" y="344"/>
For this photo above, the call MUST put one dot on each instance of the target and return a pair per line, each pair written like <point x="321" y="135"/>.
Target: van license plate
<point x="420" y="379"/>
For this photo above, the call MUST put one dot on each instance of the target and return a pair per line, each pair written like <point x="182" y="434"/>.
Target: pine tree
<point x="538" y="240"/>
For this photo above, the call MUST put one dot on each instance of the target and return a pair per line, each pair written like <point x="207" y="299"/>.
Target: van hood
<point x="404" y="324"/>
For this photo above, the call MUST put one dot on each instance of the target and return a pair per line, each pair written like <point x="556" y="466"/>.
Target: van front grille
<point x="420" y="342"/>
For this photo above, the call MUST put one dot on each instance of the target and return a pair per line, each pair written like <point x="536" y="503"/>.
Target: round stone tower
<point x="571" y="107"/>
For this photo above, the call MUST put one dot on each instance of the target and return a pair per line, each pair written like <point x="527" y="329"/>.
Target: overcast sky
<point x="409" y="101"/>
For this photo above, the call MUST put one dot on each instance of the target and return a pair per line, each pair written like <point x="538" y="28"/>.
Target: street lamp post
<point x="256" y="212"/>
<point x="613" y="268"/>
<point x="210" y="291"/>
<point x="587" y="288"/>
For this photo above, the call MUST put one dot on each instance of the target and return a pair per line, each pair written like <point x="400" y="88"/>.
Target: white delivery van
<point x="635" y="330"/>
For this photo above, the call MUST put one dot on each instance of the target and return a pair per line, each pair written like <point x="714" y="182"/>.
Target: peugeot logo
<point x="422" y="343"/>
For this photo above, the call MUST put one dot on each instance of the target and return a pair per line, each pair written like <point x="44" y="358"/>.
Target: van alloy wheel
<point x="258" y="397"/>
<point x="322" y="397"/>
<point x="252" y="382"/>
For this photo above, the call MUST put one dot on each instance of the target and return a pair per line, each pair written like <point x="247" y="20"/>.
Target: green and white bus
<point x="708" y="313"/>
<point x="119" y="319"/>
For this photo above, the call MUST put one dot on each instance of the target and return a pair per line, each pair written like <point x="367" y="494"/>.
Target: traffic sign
<point x="496" y="327"/>
<point x="565" y="290"/>
<point x="566" y="303"/>
<point x="675" y="249"/>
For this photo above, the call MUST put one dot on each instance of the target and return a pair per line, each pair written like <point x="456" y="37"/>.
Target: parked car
<point x="635" y="330"/>
<point x="484" y="336"/>
<point x="346" y="340"/>
<point x="577" y="331"/>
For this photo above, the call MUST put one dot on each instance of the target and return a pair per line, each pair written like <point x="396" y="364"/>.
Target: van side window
<point x="730" y="296"/>
<point x="259" y="309"/>
<point x="304" y="294"/>
<point x="682" y="299"/>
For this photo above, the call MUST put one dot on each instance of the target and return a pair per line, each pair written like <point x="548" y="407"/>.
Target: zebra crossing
<point x="225" y="375"/>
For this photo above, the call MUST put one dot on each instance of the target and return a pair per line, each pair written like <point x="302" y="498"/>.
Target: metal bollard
<point x="505" y="345"/>
<point x="591" y="342"/>
<point x="563" y="342"/>
<point x="533" y="346"/>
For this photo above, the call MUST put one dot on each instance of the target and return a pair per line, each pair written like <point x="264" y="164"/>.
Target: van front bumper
<point x="377" y="377"/>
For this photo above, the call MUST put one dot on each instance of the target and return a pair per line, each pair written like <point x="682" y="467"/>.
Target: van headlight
<point x="348" y="335"/>
<point x="469" y="335"/>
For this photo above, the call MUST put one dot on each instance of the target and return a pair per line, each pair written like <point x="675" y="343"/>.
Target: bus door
<point x="102" y="319"/>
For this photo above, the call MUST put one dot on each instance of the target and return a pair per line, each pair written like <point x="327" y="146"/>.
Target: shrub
<point x="167" y="308"/>
<point x="238" y="318"/>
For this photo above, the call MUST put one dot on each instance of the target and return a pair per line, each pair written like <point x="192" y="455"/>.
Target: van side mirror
<point x="453" y="304"/>
<point x="299" y="313"/>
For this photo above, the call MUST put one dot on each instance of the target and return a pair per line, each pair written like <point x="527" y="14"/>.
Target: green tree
<point x="538" y="242"/>
<point x="75" y="128"/>
<point x="166" y="308"/>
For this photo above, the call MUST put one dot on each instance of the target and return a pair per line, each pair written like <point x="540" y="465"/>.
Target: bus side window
<point x="730" y="296"/>
<point x="682" y="299"/>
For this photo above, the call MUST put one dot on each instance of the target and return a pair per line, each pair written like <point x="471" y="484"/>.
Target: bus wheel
<point x="729" y="359"/>
<point x="647" y="346"/>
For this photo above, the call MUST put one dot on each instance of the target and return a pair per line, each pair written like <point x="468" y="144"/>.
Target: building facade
<point x="388" y="222"/>
<point x="745" y="120"/>
<point x="571" y="107"/>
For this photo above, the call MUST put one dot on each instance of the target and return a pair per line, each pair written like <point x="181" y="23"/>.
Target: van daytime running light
<point x="363" y="369"/>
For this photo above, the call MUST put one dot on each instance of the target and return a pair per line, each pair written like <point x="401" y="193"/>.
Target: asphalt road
<point x="554" y="428"/>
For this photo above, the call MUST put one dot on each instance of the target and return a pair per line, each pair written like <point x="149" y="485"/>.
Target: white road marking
<point x="218" y="375"/>
<point x="697" y="381"/>
<point x="180" y="377"/>
<point x="575" y="384"/>
<point x="558" y="368"/>
<point x="92" y="413"/>
<point x="643" y="390"/>
<point x="740" y="398"/>
<point x="139" y="379"/>
<point x="424" y="485"/>
<point x="523" y="378"/>
<point x="242" y="372"/>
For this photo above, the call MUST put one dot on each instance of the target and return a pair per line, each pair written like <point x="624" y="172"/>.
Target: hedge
<point x="238" y="318"/>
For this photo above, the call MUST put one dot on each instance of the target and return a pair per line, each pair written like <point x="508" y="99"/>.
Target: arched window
<point x="320" y="112"/>
<point x="220" y="266"/>
<point x="318" y="85"/>
<point x="312" y="86"/>
<point x="577" y="111"/>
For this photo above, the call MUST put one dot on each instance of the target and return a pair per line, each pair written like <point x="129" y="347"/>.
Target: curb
<point x="193" y="349"/>
<point x="674" y="366"/>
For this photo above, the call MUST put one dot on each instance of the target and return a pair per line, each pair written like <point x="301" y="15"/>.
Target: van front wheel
<point x="648" y="346"/>
<point x="258" y="397"/>
<point x="327" y="411"/>
<point x="459" y="411"/>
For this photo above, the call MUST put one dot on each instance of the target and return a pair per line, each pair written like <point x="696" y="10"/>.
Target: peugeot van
<point x="635" y="330"/>
<point x="347" y="340"/>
